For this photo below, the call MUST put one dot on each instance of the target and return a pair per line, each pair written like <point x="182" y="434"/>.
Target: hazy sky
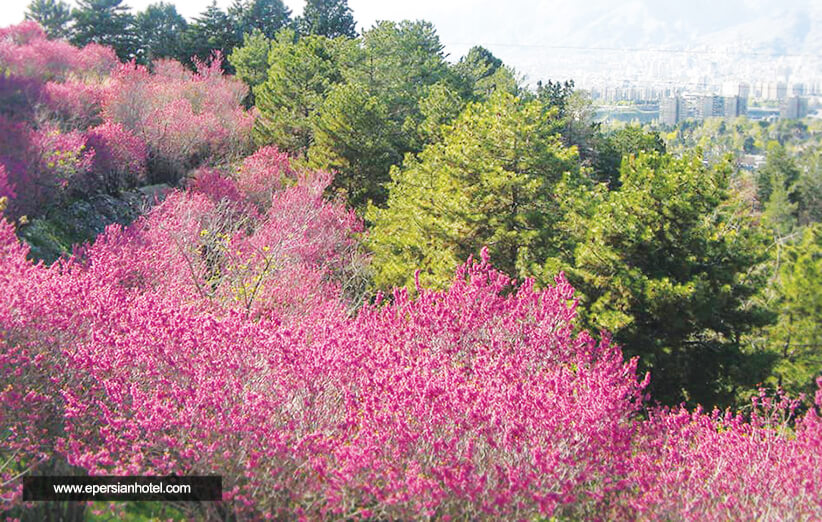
<point x="529" y="34"/>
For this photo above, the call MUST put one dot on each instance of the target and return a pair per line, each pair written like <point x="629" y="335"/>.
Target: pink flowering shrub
<point x="96" y="61"/>
<point x="20" y="159"/>
<point x="6" y="188"/>
<point x="723" y="466"/>
<point x="264" y="173"/>
<point x="217" y="186"/>
<point x="474" y="400"/>
<point x="26" y="51"/>
<point x="64" y="158"/>
<point x="185" y="118"/>
<point x="22" y="33"/>
<point x="139" y="126"/>
<point x="208" y="339"/>
<point x="75" y="104"/>
<point x="120" y="158"/>
<point x="19" y="97"/>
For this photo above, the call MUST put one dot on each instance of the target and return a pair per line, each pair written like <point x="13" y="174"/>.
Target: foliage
<point x="481" y="73"/>
<point x="330" y="18"/>
<point x="621" y="143"/>
<point x="490" y="181"/>
<point x="300" y="74"/>
<point x="808" y="188"/>
<point x="797" y="335"/>
<point x="263" y="174"/>
<point x="475" y="400"/>
<point x="354" y="137"/>
<point x="160" y="29"/>
<point x="719" y="466"/>
<point x="26" y="52"/>
<point x="667" y="264"/>
<point x="779" y="168"/>
<point x="6" y="187"/>
<point x="104" y="22"/>
<point x="250" y="61"/>
<point x="211" y="31"/>
<point x="54" y="16"/>
<point x="400" y="62"/>
<point x="265" y="16"/>
<point x="120" y="158"/>
<point x="185" y="118"/>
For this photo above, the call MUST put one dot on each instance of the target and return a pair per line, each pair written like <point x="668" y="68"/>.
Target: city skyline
<point x="594" y="41"/>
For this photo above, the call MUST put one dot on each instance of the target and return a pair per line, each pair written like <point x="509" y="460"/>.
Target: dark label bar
<point x="171" y="488"/>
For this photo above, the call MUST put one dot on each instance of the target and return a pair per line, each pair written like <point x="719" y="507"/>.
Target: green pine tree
<point x="331" y="18"/>
<point x="53" y="15"/>
<point x="106" y="22"/>
<point x="491" y="181"/>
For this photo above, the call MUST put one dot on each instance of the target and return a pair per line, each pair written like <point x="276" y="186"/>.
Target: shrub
<point x="6" y="188"/>
<point x="26" y="51"/>
<point x="120" y="158"/>
<point x="74" y="104"/>
<point x="186" y="119"/>
<point x="264" y="173"/>
<point x="721" y="466"/>
<point x="64" y="158"/>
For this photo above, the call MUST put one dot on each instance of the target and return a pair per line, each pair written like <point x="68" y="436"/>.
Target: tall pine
<point x="106" y="22"/>
<point x="53" y="15"/>
<point x="329" y="18"/>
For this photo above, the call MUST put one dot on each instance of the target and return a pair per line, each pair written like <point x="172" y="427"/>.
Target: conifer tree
<point x="106" y="22"/>
<point x="329" y="18"/>
<point x="160" y="29"/>
<point x="53" y="15"/>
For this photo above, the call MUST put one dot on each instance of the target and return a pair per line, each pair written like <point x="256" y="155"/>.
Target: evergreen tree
<point x="779" y="210"/>
<point x="491" y="181"/>
<point x="666" y="263"/>
<point x="439" y="108"/>
<point x="778" y="165"/>
<point x="300" y="74"/>
<point x="250" y="61"/>
<point x="622" y="143"/>
<point x="808" y="188"/>
<point x="481" y="73"/>
<point x="329" y="18"/>
<point x="555" y="94"/>
<point x="53" y="15"/>
<point x="266" y="16"/>
<point x="796" y="338"/>
<point x="211" y="31"/>
<point x="106" y="22"/>
<point x="160" y="29"/>
<point x="398" y="65"/>
<point x="355" y="138"/>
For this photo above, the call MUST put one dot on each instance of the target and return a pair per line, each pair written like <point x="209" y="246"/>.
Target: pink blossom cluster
<point x="26" y="51"/>
<point x="213" y="336"/>
<point x="186" y="119"/>
<point x="73" y="103"/>
<point x="6" y="188"/>
<point x="728" y="466"/>
<point x="136" y="126"/>
<point x="120" y="158"/>
<point x="43" y="163"/>
<point x="263" y="173"/>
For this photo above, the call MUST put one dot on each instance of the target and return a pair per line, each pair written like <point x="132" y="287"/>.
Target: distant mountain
<point x="791" y="27"/>
<point x="561" y="39"/>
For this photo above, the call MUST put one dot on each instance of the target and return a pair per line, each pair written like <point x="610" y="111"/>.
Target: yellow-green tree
<point x="796" y="338"/>
<point x="491" y="181"/>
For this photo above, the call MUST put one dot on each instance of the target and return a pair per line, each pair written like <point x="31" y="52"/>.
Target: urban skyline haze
<point x="596" y="41"/>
